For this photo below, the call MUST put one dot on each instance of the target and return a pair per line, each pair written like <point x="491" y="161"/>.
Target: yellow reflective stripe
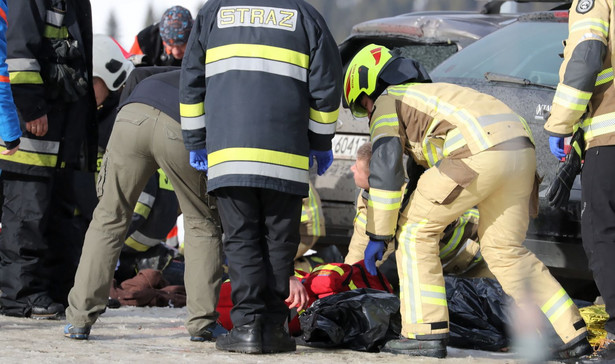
<point x="142" y="209"/>
<point x="361" y="220"/>
<point x="571" y="98"/>
<point x="192" y="110"/>
<point x="258" y="155"/>
<point x="556" y="305"/>
<point x="52" y="32"/>
<point x="25" y="77"/>
<point x="384" y="120"/>
<point x="304" y="215"/>
<point x="314" y="209"/>
<point x="136" y="245"/>
<point x="351" y="285"/>
<point x="454" y="241"/>
<point x="259" y="51"/>
<point x="435" y="295"/>
<point x="599" y="125"/>
<point x="591" y="24"/>
<point x="430" y="152"/>
<point x="33" y="159"/>
<point x="453" y="141"/>
<point x="409" y="280"/>
<point x="163" y="181"/>
<point x="325" y="117"/>
<point x="330" y="267"/>
<point x="604" y="76"/>
<point x="527" y="128"/>
<point x="384" y="200"/>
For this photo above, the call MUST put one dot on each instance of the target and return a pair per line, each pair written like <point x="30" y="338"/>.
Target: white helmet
<point x="109" y="62"/>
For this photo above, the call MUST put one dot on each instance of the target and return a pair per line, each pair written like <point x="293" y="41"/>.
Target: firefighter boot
<point x="413" y="347"/>
<point x="277" y="340"/>
<point x="242" y="339"/>
<point x="575" y="351"/>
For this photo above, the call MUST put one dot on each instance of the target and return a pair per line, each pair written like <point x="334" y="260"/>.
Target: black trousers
<point x="261" y="237"/>
<point x="40" y="244"/>
<point x="598" y="222"/>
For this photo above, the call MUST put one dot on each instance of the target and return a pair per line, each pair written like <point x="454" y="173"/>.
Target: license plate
<point x="345" y="146"/>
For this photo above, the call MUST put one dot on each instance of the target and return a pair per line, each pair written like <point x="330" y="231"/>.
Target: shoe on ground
<point x="413" y="347"/>
<point x="605" y="353"/>
<point x="77" y="333"/>
<point x="210" y="333"/>
<point x="277" y="340"/>
<point x="582" y="348"/>
<point x="242" y="339"/>
<point x="45" y="309"/>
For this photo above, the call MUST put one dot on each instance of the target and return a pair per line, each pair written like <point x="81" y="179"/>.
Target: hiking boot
<point x="210" y="333"/>
<point x="45" y="309"/>
<point x="277" y="340"/>
<point x="575" y="351"/>
<point x="604" y="353"/>
<point x="413" y="347"/>
<point x="242" y="339"/>
<point x="77" y="333"/>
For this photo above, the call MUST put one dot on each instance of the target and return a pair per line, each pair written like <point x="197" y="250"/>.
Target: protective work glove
<point x="323" y="158"/>
<point x="198" y="159"/>
<point x="556" y="144"/>
<point x="558" y="192"/>
<point x="373" y="252"/>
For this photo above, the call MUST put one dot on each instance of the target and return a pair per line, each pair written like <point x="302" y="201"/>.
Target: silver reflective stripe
<point x="256" y="64"/>
<point x="382" y="200"/>
<point x="320" y="128"/>
<point x="38" y="146"/>
<point x="23" y="64"/>
<point x="486" y="120"/>
<point x="259" y="169"/>
<point x="432" y="294"/>
<point x="145" y="240"/>
<point x="54" y="18"/>
<point x="193" y="123"/>
<point x="449" y="142"/>
<point x="146" y="199"/>
<point x="591" y="36"/>
<point x="557" y="305"/>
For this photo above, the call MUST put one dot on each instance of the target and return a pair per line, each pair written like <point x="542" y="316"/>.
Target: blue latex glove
<point x="323" y="158"/>
<point x="373" y="252"/>
<point x="556" y="144"/>
<point x="198" y="159"/>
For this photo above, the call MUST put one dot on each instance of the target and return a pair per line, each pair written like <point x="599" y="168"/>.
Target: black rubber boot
<point x="242" y="339"/>
<point x="413" y="347"/>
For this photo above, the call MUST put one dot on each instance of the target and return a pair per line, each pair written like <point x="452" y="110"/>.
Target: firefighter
<point x="583" y="100"/>
<point x="264" y="74"/>
<point x="458" y="248"/>
<point x="164" y="43"/>
<point x="477" y="152"/>
<point x="49" y="54"/>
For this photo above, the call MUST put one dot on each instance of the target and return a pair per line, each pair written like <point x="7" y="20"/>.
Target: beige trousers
<point x="143" y="140"/>
<point x="501" y="191"/>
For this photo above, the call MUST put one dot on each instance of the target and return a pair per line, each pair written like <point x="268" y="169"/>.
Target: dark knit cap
<point x="175" y="25"/>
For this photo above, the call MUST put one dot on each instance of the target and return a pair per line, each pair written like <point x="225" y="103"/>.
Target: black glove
<point x="66" y="83"/>
<point x="558" y="192"/>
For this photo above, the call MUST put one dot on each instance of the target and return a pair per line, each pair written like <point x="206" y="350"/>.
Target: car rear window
<point x="429" y="55"/>
<point x="530" y="50"/>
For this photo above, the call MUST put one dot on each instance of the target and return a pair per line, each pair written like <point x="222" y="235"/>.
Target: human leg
<point x="504" y="218"/>
<point x="240" y="214"/>
<point x="282" y="213"/>
<point x="202" y="241"/>
<point x="126" y="168"/>
<point x="23" y="248"/>
<point x="597" y="226"/>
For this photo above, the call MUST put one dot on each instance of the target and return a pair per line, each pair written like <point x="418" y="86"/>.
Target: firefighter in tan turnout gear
<point x="585" y="101"/>
<point x="477" y="152"/>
